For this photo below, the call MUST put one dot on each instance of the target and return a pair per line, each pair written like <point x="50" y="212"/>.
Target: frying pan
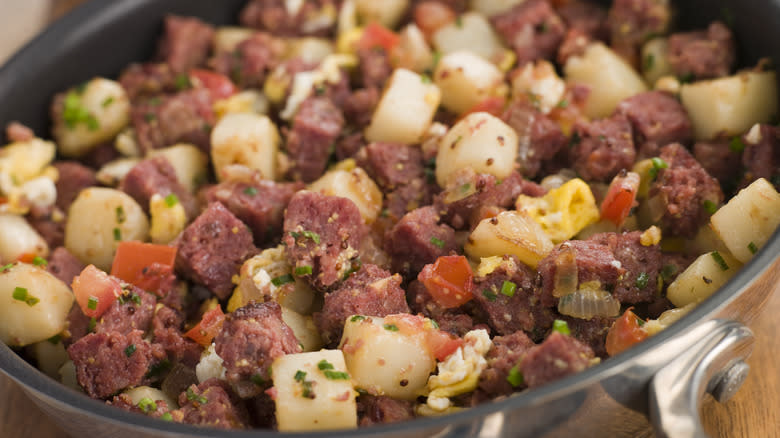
<point x="661" y="381"/>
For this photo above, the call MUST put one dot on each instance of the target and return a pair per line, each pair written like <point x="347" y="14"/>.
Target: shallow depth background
<point x="754" y="411"/>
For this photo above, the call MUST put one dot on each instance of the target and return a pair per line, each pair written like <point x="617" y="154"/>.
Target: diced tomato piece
<point x="208" y="327"/>
<point x="95" y="291"/>
<point x="624" y="333"/>
<point x="431" y="16"/>
<point x="621" y="197"/>
<point x="27" y="257"/>
<point x="375" y="35"/>
<point x="493" y="105"/>
<point x="220" y="85"/>
<point x="156" y="278"/>
<point x="442" y="344"/>
<point x="449" y="280"/>
<point x="134" y="260"/>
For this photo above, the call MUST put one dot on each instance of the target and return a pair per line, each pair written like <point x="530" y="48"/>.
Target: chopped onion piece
<point x="589" y="302"/>
<point x="565" y="277"/>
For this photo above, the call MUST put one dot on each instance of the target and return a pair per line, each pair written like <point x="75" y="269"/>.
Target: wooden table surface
<point x="753" y="412"/>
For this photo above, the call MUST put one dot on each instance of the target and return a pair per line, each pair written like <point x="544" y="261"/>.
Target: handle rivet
<point x="726" y="384"/>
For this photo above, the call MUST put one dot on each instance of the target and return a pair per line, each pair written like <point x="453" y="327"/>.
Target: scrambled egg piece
<point x="210" y="365"/>
<point x="256" y="277"/>
<point x="562" y="212"/>
<point x="26" y="175"/>
<point x="168" y="218"/>
<point x="542" y="82"/>
<point x="460" y="372"/>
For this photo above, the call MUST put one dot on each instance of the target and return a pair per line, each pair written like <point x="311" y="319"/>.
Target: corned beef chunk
<point x="370" y="291"/>
<point x="658" y="119"/>
<point x="311" y="140"/>
<point x="64" y="265"/>
<point x="604" y="147"/>
<point x="212" y="248"/>
<point x="532" y="29"/>
<point x="250" y="339"/>
<point x="417" y="240"/>
<point x="72" y="178"/>
<point x="702" y="54"/>
<point x="156" y="176"/>
<point x="212" y="404"/>
<point x="322" y="234"/>
<point x="380" y="409"/>
<point x="505" y="354"/>
<point x="555" y="358"/>
<point x="109" y="362"/>
<point x="682" y="188"/>
<point x="186" y="42"/>
<point x="274" y="17"/>
<point x="185" y="117"/>
<point x="632" y="22"/>
<point x="249" y="63"/>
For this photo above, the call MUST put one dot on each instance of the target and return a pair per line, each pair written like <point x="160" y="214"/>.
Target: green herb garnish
<point x="171" y="200"/>
<point x="300" y="271"/>
<point x="130" y="350"/>
<point x="40" y="261"/>
<point x="736" y="145"/>
<point x="92" y="302"/>
<point x="391" y="327"/>
<point x="561" y="327"/>
<point x="719" y="260"/>
<point x="438" y="242"/>
<point x="487" y="293"/>
<point x="251" y="191"/>
<point x="641" y="280"/>
<point x="710" y="206"/>
<point x="515" y="377"/>
<point x="336" y="375"/>
<point x="21" y="294"/>
<point x="508" y="288"/>
<point x="752" y="248"/>
<point x="147" y="405"/>
<point x="282" y="279"/>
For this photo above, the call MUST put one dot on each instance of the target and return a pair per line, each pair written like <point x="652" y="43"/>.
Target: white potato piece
<point x="98" y="220"/>
<point x="405" y="110"/>
<point x="246" y="101"/>
<point x="465" y="80"/>
<point x="189" y="163"/>
<point x="23" y="161"/>
<point x="68" y="378"/>
<point x="34" y="305"/>
<point x="226" y="38"/>
<point x="309" y="397"/>
<point x="248" y="139"/>
<point x="540" y="80"/>
<point x="147" y="392"/>
<point x="654" y="60"/>
<point x="311" y="50"/>
<point x="210" y="366"/>
<point x="304" y="329"/>
<point x="166" y="221"/>
<point x="490" y="8"/>
<point x="90" y="117"/>
<point x="383" y="360"/>
<point x="609" y="77"/>
<point x="413" y="51"/>
<point x="471" y="33"/>
<point x="386" y="12"/>
<point x="748" y="220"/>
<point x="702" y="277"/>
<point x="18" y="237"/>
<point x="50" y="356"/>
<point x="480" y="141"/>
<point x="111" y="173"/>
<point x="730" y="105"/>
<point x="510" y="232"/>
<point x="354" y="185"/>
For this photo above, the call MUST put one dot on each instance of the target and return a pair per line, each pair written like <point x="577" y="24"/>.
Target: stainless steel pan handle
<point x="715" y="364"/>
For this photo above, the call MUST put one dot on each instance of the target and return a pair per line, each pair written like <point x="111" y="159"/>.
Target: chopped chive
<point x="641" y="280"/>
<point x="150" y="117"/>
<point x="251" y="191"/>
<point x="459" y="21"/>
<point x="563" y="104"/>
<point x="92" y="302"/>
<point x="303" y="270"/>
<point x="487" y="293"/>
<point x="40" y="261"/>
<point x="719" y="260"/>
<point x="508" y="288"/>
<point x="107" y="101"/>
<point x="687" y="78"/>
<point x="465" y="188"/>
<point x="147" y="405"/>
<point x="20" y="294"/>
<point x="120" y="215"/>
<point x="282" y="279"/>
<point x="135" y="298"/>
<point x="307" y="389"/>
<point x="668" y="271"/>
<point x="130" y="350"/>
<point x="117" y="234"/>
<point x="324" y="365"/>
<point x="752" y="247"/>
<point x="158" y="368"/>
<point x="257" y="379"/>
<point x="312" y="235"/>
<point x="336" y="375"/>
<point x="391" y="327"/>
<point x="91" y="325"/>
<point x="434" y="324"/>
<point x="192" y="396"/>
<point x="736" y="145"/>
<point x="649" y="61"/>
<point x="515" y="377"/>
<point x="575" y="139"/>
<point x="561" y="327"/>
<point x="55" y="339"/>
<point x="166" y="417"/>
<point x="425" y="79"/>
<point x="710" y="206"/>
<point x="6" y="267"/>
<point x="300" y="376"/>
<point x="171" y="200"/>
<point x="356" y="318"/>
<point x="438" y="242"/>
<point x="182" y="81"/>
<point x="154" y="101"/>
<point x="658" y="164"/>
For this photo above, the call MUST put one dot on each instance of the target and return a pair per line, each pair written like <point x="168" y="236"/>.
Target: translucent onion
<point x="656" y="206"/>
<point x="587" y="303"/>
<point x="565" y="277"/>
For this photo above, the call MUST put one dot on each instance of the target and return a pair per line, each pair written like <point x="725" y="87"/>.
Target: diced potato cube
<point x="18" y="238"/>
<point x="34" y="304"/>
<point x="248" y="139"/>
<point x="472" y="32"/>
<point x="405" y="110"/>
<point x="354" y="185"/>
<point x="542" y="82"/>
<point x="730" y="105"/>
<point x="480" y="141"/>
<point x="490" y="8"/>
<point x="748" y="220"/>
<point x="189" y="163"/>
<point x="702" y="277"/>
<point x="609" y="77"/>
<point x="465" y="79"/>
<point x="313" y="392"/>
<point x="510" y="232"/>
<point x="654" y="61"/>
<point x="304" y="329"/>
<point x="386" y="12"/>
<point x="384" y="360"/>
